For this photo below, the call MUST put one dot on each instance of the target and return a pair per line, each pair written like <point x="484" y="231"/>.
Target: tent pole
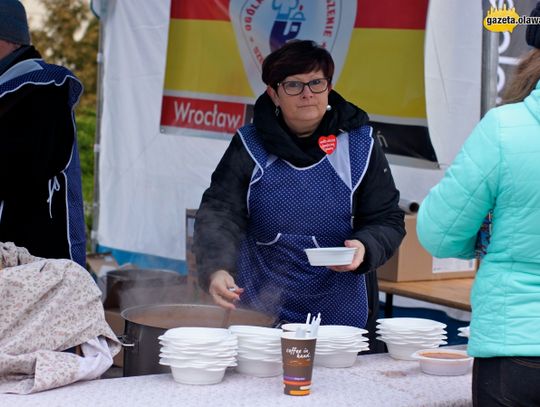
<point x="490" y="62"/>
<point x="97" y="140"/>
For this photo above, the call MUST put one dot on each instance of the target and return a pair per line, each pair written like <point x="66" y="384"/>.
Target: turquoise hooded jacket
<point x="498" y="168"/>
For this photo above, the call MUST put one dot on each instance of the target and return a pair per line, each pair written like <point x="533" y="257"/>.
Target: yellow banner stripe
<point x="202" y="56"/>
<point x="384" y="72"/>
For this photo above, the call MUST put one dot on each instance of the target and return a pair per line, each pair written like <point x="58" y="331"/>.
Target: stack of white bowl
<point x="259" y="350"/>
<point x="464" y="331"/>
<point x="338" y="345"/>
<point x="404" y="336"/>
<point x="198" y="355"/>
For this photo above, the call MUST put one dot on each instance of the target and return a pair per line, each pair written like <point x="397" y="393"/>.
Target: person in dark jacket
<point x="41" y="206"/>
<point x="307" y="173"/>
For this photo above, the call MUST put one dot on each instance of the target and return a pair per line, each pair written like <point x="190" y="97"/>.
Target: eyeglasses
<point x="293" y="88"/>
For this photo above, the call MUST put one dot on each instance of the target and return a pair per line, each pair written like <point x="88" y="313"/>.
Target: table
<point x="374" y="380"/>
<point x="454" y="293"/>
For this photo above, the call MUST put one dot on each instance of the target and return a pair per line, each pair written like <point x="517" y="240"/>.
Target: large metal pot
<point x="144" y="324"/>
<point x="130" y="287"/>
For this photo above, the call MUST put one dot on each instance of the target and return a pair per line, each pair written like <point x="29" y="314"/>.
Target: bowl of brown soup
<point x="444" y="362"/>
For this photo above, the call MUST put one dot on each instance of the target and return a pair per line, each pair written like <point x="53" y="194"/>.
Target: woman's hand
<point x="357" y="259"/>
<point x="223" y="289"/>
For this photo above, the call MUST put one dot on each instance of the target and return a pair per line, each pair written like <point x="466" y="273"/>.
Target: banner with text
<point x="216" y="48"/>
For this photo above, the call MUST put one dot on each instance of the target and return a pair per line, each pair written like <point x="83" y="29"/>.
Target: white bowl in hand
<point x="330" y="256"/>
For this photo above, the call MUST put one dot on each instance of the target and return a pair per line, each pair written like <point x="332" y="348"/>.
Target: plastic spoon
<point x="300" y="332"/>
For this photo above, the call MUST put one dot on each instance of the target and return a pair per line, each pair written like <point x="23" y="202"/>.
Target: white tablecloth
<point x="374" y="380"/>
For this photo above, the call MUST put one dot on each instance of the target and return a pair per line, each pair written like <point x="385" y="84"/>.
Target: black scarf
<point x="302" y="152"/>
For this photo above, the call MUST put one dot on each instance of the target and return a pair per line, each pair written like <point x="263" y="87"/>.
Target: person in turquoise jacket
<point x="497" y="171"/>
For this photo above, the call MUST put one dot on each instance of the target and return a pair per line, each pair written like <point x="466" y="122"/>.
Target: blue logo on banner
<point x="288" y="22"/>
<point x="263" y="26"/>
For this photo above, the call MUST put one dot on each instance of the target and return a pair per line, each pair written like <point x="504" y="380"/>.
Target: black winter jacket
<point x="222" y="217"/>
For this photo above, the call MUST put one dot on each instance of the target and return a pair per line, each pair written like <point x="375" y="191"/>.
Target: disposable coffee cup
<point x="298" y="355"/>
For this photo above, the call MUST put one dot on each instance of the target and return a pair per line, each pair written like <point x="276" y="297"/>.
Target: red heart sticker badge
<point x="328" y="143"/>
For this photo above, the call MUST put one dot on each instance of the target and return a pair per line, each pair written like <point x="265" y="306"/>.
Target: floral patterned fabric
<point x="11" y="255"/>
<point x="46" y="307"/>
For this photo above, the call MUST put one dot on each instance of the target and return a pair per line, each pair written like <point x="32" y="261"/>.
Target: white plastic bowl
<point x="404" y="351"/>
<point x="340" y="331"/>
<point x="352" y="348"/>
<point x="410" y="324"/>
<point x="337" y="359"/>
<point x="291" y="327"/>
<point x="200" y="355"/>
<point x="464" y="331"/>
<point x="435" y="332"/>
<point x="256" y="331"/>
<point x="258" y="340"/>
<point x="182" y="356"/>
<point x="270" y="348"/>
<point x="198" y="363"/>
<point x="415" y="341"/>
<point x="192" y="375"/>
<point x="179" y="343"/>
<point x="444" y="362"/>
<point x="259" y="368"/>
<point x="195" y="336"/>
<point x="259" y="354"/>
<point x="330" y="256"/>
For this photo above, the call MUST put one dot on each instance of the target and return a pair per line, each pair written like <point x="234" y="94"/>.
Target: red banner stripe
<point x="200" y="9"/>
<point x="402" y="14"/>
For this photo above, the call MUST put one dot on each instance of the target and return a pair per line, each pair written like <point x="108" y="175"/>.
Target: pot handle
<point x="126" y="341"/>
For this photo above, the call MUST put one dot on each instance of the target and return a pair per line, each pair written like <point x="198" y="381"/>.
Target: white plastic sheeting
<point x="453" y="57"/>
<point x="452" y="65"/>
<point x="148" y="178"/>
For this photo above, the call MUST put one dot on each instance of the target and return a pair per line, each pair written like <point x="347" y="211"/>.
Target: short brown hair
<point x="296" y="57"/>
<point x="524" y="78"/>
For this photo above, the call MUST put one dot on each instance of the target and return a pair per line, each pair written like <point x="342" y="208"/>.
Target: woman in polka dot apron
<point x="307" y="173"/>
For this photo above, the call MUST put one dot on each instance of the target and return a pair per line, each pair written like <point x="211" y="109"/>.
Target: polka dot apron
<point x="292" y="209"/>
<point x="38" y="72"/>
